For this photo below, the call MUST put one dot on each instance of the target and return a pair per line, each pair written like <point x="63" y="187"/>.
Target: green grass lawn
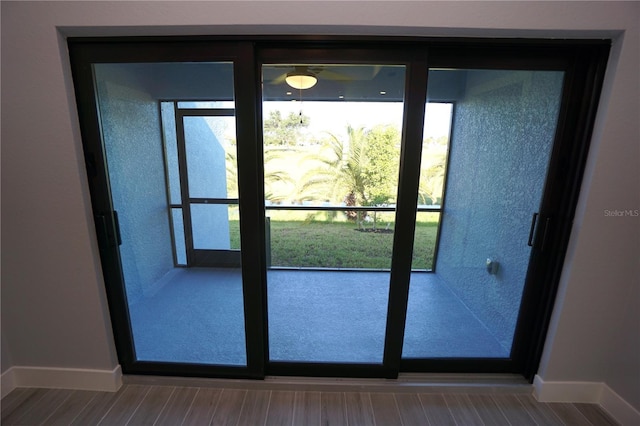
<point x="338" y="244"/>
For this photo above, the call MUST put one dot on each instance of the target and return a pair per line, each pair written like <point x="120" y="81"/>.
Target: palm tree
<point x="431" y="179"/>
<point x="272" y="175"/>
<point x="357" y="172"/>
<point x="337" y="175"/>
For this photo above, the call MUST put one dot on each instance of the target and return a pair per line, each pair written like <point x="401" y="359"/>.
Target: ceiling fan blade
<point x="321" y="72"/>
<point x="279" y="80"/>
<point x="376" y="70"/>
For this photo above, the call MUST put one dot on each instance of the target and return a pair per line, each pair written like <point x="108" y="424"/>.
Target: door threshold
<point x="408" y="382"/>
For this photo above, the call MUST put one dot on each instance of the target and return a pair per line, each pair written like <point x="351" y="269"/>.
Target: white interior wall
<point x="53" y="303"/>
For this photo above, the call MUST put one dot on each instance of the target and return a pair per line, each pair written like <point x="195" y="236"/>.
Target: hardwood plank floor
<point x="332" y="409"/>
<point x="68" y="410"/>
<point x="177" y="407"/>
<point x="463" y="411"/>
<point x="13" y="405"/>
<point x="513" y="410"/>
<point x="137" y="404"/>
<point x="488" y="410"/>
<point x="385" y="409"/>
<point x="95" y="410"/>
<point x="255" y="407"/>
<point x="202" y="407"/>
<point x="281" y="408"/>
<point x="542" y="414"/>
<point x="436" y="409"/>
<point x="152" y="405"/>
<point x="229" y="407"/>
<point x="410" y="408"/>
<point x="122" y="410"/>
<point x="359" y="409"/>
<point x="307" y="408"/>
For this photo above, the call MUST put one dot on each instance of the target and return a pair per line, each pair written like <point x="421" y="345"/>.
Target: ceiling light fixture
<point x="301" y="79"/>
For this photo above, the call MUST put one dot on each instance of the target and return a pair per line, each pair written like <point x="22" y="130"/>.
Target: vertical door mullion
<point x="184" y="185"/>
<point x="404" y="233"/>
<point x="251" y="206"/>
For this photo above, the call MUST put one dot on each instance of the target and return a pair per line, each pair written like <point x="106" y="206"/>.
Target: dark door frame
<point x="200" y="257"/>
<point x="583" y="62"/>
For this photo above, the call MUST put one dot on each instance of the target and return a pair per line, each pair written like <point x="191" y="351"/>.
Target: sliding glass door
<point x="172" y="188"/>
<point x="165" y="176"/>
<point x="500" y="141"/>
<point x="336" y="208"/>
<point x="331" y="161"/>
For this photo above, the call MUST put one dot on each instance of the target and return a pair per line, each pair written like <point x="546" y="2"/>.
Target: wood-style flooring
<point x="143" y="404"/>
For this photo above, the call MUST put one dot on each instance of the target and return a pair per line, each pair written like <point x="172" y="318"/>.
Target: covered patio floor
<point x="313" y="316"/>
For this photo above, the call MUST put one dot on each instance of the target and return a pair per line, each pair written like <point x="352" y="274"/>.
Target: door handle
<point x="534" y="222"/>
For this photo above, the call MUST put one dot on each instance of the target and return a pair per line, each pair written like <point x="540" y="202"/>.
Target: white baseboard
<point x="587" y="392"/>
<point x="618" y="408"/>
<point x="7" y="382"/>
<point x="61" y="378"/>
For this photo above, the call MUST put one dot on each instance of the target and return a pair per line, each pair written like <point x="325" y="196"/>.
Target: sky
<point x="335" y="116"/>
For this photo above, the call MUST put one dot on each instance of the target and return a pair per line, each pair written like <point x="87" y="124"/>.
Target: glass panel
<point x="424" y="245"/>
<point x="437" y="127"/>
<point x="177" y="314"/>
<point x="502" y="135"/>
<point x="215" y="226"/>
<point x="171" y="151"/>
<point x="329" y="148"/>
<point x="433" y="164"/>
<point x="211" y="157"/>
<point x="178" y="235"/>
